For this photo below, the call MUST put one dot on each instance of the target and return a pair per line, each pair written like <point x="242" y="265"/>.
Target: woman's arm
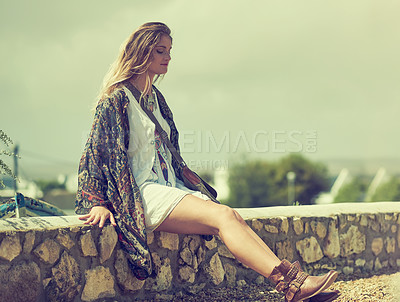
<point x="92" y="181"/>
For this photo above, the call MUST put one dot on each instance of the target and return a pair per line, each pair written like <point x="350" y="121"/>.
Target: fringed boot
<point x="296" y="284"/>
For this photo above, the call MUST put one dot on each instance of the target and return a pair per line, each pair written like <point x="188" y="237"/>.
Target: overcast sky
<point x="259" y="78"/>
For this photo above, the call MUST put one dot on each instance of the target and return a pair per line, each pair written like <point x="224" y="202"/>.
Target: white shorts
<point x="159" y="201"/>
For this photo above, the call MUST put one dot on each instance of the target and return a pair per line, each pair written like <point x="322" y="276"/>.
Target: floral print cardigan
<point x="105" y="177"/>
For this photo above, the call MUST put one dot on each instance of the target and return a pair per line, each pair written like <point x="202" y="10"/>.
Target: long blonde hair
<point x="134" y="57"/>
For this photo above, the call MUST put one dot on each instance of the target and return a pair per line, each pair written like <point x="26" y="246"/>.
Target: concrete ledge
<point x="39" y="223"/>
<point x="321" y="210"/>
<point x="60" y="259"/>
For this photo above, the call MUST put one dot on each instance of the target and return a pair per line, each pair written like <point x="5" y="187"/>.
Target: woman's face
<point x="160" y="56"/>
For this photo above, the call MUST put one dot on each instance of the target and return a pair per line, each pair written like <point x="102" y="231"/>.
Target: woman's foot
<point x="314" y="285"/>
<point x="296" y="284"/>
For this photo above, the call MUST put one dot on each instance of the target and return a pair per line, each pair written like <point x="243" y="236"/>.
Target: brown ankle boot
<point x="325" y="296"/>
<point x="296" y="284"/>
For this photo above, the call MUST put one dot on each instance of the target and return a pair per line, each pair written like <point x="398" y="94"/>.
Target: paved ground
<point x="375" y="288"/>
<point x="379" y="288"/>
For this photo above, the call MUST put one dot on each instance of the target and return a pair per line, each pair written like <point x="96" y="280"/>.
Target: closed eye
<point x="162" y="50"/>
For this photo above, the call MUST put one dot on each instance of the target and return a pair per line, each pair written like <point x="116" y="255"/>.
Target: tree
<point x="389" y="191"/>
<point x="260" y="183"/>
<point x="311" y="178"/>
<point x="354" y="191"/>
<point x="4" y="169"/>
<point x="47" y="185"/>
<point x="251" y="184"/>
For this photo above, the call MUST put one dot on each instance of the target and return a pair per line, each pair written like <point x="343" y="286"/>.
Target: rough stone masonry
<point x="60" y="259"/>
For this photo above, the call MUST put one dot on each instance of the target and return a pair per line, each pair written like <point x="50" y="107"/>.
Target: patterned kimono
<point x="105" y="177"/>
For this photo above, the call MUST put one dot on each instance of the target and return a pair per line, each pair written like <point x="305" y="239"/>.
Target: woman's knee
<point x="227" y="215"/>
<point x="239" y="217"/>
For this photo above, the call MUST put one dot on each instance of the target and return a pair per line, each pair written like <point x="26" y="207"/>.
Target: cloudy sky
<point x="247" y="78"/>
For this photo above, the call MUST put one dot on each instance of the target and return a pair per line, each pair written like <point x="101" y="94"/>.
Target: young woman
<point x="128" y="176"/>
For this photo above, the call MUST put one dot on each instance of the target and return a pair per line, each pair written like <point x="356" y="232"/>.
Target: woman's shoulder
<point x="117" y="100"/>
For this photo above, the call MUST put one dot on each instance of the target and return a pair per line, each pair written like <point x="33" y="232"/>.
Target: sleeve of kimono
<point x="92" y="182"/>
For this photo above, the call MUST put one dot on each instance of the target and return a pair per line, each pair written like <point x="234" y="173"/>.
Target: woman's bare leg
<point x="196" y="216"/>
<point x="255" y="236"/>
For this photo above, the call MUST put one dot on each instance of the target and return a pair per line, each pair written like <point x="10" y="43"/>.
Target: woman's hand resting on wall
<point x="98" y="214"/>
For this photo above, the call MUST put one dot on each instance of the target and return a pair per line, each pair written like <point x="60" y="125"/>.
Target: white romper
<point x="150" y="161"/>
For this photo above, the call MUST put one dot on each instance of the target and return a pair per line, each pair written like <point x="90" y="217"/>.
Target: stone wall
<point x="60" y="259"/>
